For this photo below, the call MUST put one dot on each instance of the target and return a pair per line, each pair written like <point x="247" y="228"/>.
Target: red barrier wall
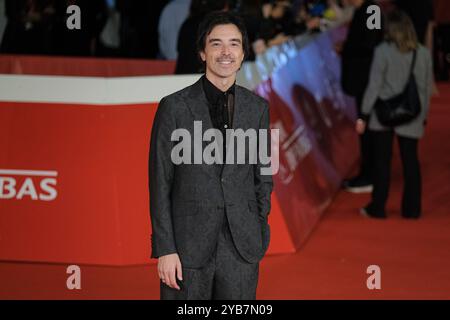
<point x="83" y="67"/>
<point x="100" y="214"/>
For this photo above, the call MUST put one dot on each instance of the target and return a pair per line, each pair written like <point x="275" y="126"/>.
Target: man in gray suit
<point x="209" y="221"/>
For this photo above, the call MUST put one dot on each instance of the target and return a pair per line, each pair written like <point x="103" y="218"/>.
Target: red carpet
<point x="414" y="256"/>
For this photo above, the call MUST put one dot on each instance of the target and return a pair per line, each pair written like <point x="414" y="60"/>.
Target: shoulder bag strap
<point x="413" y="63"/>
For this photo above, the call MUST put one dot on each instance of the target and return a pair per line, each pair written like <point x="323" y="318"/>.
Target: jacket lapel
<point x="239" y="109"/>
<point x="198" y="105"/>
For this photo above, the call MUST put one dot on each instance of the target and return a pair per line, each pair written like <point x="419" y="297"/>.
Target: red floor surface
<point x="414" y="256"/>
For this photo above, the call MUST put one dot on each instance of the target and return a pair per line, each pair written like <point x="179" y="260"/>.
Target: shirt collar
<point x="214" y="94"/>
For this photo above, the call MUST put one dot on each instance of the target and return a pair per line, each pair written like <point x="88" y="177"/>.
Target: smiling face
<point x="223" y="54"/>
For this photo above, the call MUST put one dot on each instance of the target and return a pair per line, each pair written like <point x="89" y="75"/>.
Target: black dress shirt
<point x="221" y="107"/>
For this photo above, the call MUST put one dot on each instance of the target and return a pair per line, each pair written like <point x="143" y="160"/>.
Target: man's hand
<point x="169" y="267"/>
<point x="360" y="126"/>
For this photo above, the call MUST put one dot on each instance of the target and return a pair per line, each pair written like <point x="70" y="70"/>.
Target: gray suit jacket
<point x="388" y="77"/>
<point x="189" y="201"/>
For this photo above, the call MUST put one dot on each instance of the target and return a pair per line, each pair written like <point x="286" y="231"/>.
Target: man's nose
<point x="225" y="49"/>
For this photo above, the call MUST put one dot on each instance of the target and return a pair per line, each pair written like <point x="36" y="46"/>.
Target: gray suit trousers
<point x="226" y="276"/>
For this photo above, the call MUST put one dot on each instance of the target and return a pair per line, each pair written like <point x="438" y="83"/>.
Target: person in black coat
<point x="357" y="54"/>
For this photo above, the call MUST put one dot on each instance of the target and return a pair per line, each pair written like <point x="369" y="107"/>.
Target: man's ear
<point x="203" y="56"/>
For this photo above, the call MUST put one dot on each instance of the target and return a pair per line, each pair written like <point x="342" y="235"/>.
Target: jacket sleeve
<point x="161" y="170"/>
<point x="376" y="77"/>
<point x="263" y="183"/>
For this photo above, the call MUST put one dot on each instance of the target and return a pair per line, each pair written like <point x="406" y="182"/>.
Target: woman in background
<point x="388" y="77"/>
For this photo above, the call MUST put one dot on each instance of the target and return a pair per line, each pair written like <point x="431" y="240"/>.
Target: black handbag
<point x="402" y="108"/>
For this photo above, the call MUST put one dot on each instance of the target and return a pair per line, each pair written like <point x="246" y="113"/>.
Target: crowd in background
<point x="149" y="29"/>
<point x="166" y="29"/>
<point x="268" y="23"/>
<point x="108" y="28"/>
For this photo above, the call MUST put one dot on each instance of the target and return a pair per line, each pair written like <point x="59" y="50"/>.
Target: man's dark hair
<point x="216" y="18"/>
